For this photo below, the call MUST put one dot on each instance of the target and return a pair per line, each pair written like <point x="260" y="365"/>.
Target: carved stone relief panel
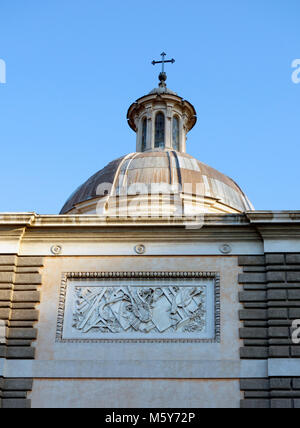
<point x="139" y="306"/>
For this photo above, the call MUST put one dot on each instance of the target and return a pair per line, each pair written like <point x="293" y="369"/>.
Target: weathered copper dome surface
<point x="179" y="170"/>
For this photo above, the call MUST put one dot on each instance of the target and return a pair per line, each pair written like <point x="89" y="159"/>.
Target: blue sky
<point x="75" y="66"/>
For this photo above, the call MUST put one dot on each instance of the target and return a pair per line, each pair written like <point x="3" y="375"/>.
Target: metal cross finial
<point x="163" y="76"/>
<point x="164" y="61"/>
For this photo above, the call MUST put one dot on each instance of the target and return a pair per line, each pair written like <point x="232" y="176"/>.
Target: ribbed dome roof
<point x="151" y="170"/>
<point x="162" y="90"/>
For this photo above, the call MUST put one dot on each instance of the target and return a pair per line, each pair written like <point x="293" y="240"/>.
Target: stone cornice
<point x="12" y="229"/>
<point x="31" y="233"/>
<point x="155" y="98"/>
<point x="271" y="217"/>
<point x="34" y="220"/>
<point x="17" y="219"/>
<point x="92" y="228"/>
<point x="276" y="225"/>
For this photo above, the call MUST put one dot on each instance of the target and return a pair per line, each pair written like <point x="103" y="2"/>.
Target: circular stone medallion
<point x="140" y="249"/>
<point x="225" y="249"/>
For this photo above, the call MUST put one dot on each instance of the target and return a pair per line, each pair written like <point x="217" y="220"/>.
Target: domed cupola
<point x="161" y="119"/>
<point x="159" y="179"/>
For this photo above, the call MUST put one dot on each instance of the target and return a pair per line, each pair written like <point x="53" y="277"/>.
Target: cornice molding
<point x="271" y="217"/>
<point x="76" y="220"/>
<point x="17" y="219"/>
<point x="276" y="225"/>
<point x="252" y="227"/>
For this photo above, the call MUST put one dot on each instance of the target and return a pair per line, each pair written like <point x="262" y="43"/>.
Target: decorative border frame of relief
<point x="138" y="275"/>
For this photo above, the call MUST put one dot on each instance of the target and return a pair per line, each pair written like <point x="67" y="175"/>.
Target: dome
<point x="160" y="179"/>
<point x="170" y="177"/>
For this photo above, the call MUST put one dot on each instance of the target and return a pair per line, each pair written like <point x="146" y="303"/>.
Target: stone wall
<point x="259" y="363"/>
<point x="20" y="279"/>
<point x="276" y="393"/>
<point x="271" y="300"/>
<point x="116" y="369"/>
<point x="13" y="393"/>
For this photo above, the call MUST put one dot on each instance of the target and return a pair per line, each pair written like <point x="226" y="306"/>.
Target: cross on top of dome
<point x="163" y="76"/>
